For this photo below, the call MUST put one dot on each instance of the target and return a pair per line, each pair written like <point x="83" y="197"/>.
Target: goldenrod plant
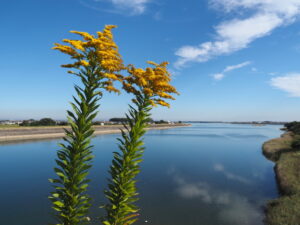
<point x="150" y="87"/>
<point x="97" y="63"/>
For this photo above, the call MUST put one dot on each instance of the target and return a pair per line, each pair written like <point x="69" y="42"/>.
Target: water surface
<point x="210" y="174"/>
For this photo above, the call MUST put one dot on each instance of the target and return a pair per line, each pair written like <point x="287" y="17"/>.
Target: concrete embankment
<point x="286" y="209"/>
<point x="35" y="133"/>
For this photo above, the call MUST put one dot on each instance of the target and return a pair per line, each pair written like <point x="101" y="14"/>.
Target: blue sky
<point x="232" y="60"/>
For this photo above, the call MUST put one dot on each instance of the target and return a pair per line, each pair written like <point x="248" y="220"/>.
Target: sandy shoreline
<point x="39" y="133"/>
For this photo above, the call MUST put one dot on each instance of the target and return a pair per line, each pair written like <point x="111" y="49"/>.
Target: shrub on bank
<point x="293" y="127"/>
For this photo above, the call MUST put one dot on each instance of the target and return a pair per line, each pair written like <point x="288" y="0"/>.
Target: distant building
<point x="10" y="122"/>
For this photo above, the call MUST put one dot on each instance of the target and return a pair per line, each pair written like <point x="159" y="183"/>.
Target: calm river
<point x="206" y="174"/>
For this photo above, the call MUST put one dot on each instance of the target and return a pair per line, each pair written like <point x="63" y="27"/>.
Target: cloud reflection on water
<point x="233" y="209"/>
<point x="218" y="167"/>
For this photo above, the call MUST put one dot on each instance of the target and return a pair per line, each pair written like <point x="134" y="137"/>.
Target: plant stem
<point x="69" y="199"/>
<point x="122" y="192"/>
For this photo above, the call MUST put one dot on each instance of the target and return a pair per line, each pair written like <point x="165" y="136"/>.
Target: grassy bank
<point x="286" y="209"/>
<point x="272" y="149"/>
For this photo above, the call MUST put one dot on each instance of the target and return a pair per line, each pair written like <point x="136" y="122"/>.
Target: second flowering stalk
<point x="149" y="87"/>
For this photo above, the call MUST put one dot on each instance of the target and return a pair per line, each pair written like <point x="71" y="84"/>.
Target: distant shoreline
<point x="19" y="134"/>
<point x="254" y="123"/>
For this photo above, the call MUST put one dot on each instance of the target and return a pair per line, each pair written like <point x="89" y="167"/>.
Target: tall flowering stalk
<point x="150" y="87"/>
<point x="97" y="63"/>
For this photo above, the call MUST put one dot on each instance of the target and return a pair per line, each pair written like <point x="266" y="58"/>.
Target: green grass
<point x="272" y="149"/>
<point x="9" y="126"/>
<point x="286" y="209"/>
<point x="288" y="169"/>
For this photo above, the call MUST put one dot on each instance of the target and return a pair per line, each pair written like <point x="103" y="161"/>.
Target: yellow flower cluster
<point x="99" y="52"/>
<point x="153" y="82"/>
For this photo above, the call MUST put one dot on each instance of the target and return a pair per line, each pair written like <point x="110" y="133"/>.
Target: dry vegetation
<point x="286" y="209"/>
<point x="272" y="149"/>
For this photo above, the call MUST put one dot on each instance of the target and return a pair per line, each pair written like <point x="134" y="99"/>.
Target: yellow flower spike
<point x="153" y="103"/>
<point x="78" y="56"/>
<point x="150" y="74"/>
<point x="111" y="76"/>
<point x="99" y="34"/>
<point x="164" y="64"/>
<point x="108" y="83"/>
<point x="107" y="31"/>
<point x="141" y="81"/>
<point x="76" y="44"/>
<point x="148" y="91"/>
<point x="165" y="95"/>
<point x="112" y="89"/>
<point x="108" y="35"/>
<point x="163" y="103"/>
<point x="84" y="63"/>
<point x="65" y="49"/>
<point x="99" y="52"/>
<point x="71" y="72"/>
<point x="154" y="82"/>
<point x="109" y="27"/>
<point x="129" y="88"/>
<point x="74" y="65"/>
<point x="152" y="63"/>
<point x="86" y="36"/>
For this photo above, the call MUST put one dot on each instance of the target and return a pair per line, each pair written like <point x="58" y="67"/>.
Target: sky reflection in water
<point x="209" y="174"/>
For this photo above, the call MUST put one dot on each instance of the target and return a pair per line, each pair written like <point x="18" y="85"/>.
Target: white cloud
<point x="287" y="7"/>
<point x="289" y="83"/>
<point x="138" y="6"/>
<point x="236" y="34"/>
<point x="126" y="7"/>
<point x="220" y="76"/>
<point x="238" y="66"/>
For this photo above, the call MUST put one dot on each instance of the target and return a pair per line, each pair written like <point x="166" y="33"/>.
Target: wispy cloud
<point x="237" y="34"/>
<point x="127" y="7"/>
<point x="289" y="83"/>
<point x="220" y="76"/>
<point x="235" y="67"/>
<point x="138" y="6"/>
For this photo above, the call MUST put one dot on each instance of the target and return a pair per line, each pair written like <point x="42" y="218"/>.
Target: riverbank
<point x="284" y="210"/>
<point x="36" y="133"/>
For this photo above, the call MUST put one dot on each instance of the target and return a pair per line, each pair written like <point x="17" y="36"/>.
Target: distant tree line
<point x="161" y="122"/>
<point x="150" y="120"/>
<point x="51" y="122"/>
<point x="125" y="120"/>
<point x="41" y="122"/>
<point x="118" y="120"/>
